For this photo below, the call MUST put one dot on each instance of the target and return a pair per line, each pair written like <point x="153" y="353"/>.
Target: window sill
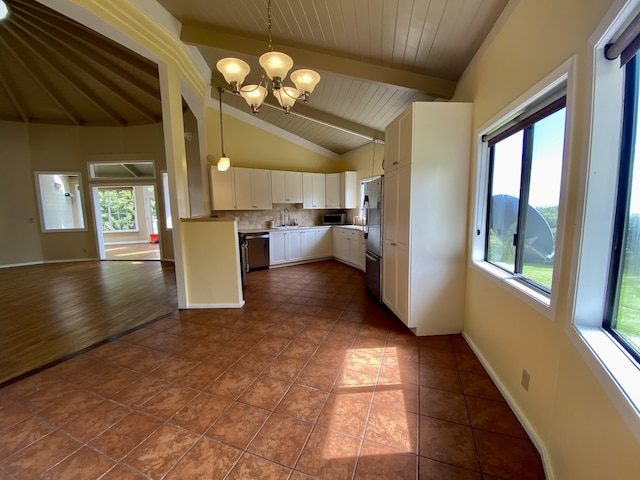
<point x="512" y="284"/>
<point x="612" y="364"/>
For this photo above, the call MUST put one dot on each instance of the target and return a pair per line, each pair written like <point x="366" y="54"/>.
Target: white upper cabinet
<point x="286" y="187"/>
<point x="340" y="190"/>
<point x="223" y="195"/>
<point x="252" y="189"/>
<point x="313" y="189"/>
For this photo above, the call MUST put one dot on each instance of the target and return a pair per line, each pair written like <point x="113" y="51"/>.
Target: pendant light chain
<point x="269" y="25"/>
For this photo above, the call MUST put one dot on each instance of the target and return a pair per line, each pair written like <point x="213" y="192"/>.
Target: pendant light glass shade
<point x="234" y="71"/>
<point x="4" y="11"/>
<point x="223" y="164"/>
<point x="254" y="95"/>
<point x="305" y="81"/>
<point x="276" y="64"/>
<point x="286" y="97"/>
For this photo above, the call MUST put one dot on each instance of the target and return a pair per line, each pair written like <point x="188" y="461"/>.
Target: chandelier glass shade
<point x="275" y="66"/>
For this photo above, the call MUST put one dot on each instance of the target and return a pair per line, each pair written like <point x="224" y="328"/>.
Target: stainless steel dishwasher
<point x="254" y="252"/>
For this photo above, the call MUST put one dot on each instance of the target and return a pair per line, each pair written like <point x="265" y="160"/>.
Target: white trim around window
<point x="543" y="303"/>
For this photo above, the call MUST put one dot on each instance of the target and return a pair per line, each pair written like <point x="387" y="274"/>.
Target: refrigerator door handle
<point x="365" y="206"/>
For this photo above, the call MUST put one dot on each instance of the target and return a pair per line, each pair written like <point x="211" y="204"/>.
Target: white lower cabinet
<point x="348" y="246"/>
<point x="298" y="245"/>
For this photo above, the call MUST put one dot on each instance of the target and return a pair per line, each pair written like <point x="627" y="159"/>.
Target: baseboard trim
<point x="215" y="305"/>
<point x="522" y="418"/>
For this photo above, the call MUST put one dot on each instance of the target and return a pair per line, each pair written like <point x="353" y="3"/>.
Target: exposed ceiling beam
<point x="47" y="88"/>
<point x="60" y="28"/>
<point x="100" y="43"/>
<point x="304" y="111"/>
<point x="65" y="72"/>
<point x="199" y="35"/>
<point x="93" y="73"/>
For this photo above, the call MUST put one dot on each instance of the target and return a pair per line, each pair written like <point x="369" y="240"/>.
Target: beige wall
<point x="568" y="410"/>
<point x="249" y="146"/>
<point x="19" y="220"/>
<point x="62" y="148"/>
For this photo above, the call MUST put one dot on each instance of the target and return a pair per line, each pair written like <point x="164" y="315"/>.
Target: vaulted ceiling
<point x="375" y="57"/>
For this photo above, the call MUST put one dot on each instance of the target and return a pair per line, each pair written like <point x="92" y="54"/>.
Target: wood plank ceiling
<point x="375" y="57"/>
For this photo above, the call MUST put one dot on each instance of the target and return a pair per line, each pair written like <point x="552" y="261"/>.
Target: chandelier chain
<point x="269" y="25"/>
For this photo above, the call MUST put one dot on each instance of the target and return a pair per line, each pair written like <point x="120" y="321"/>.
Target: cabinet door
<point x="392" y="140"/>
<point x="390" y="276"/>
<point x="324" y="243"/>
<point x="402" y="285"/>
<point x="318" y="190"/>
<point x="278" y="186"/>
<point x="403" y="212"/>
<point x="391" y="195"/>
<point x="357" y="249"/>
<point x="222" y="189"/>
<point x="294" y="187"/>
<point x="309" y="247"/>
<point x="242" y="183"/>
<point x="349" y="186"/>
<point x="277" y="251"/>
<point x="261" y="189"/>
<point x="313" y="190"/>
<point x="293" y="244"/>
<point x="332" y="190"/>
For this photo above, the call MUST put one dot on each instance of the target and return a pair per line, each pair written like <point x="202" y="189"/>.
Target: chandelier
<point x="275" y="66"/>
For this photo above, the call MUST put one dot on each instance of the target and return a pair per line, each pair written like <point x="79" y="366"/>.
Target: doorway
<point x="126" y="222"/>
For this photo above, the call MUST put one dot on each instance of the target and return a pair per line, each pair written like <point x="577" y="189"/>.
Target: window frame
<point x="42" y="209"/>
<point x="526" y="127"/>
<point x="545" y="88"/>
<point x="614" y="368"/>
<point x="625" y="167"/>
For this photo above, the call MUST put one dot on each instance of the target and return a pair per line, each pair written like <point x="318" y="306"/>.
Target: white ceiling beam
<point x="199" y="35"/>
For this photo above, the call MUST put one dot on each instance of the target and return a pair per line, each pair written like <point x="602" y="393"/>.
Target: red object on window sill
<point x="153" y="238"/>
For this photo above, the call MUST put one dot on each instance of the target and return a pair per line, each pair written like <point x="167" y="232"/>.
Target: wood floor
<point x="51" y="311"/>
<point x="132" y="251"/>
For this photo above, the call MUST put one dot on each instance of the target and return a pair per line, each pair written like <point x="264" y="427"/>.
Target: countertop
<point x="300" y="227"/>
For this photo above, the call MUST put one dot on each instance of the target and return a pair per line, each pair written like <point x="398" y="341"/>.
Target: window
<point x="622" y="315"/>
<point x="118" y="209"/>
<point x="602" y="327"/>
<point x="525" y="172"/>
<point x="60" y="195"/>
<point x="119" y="170"/>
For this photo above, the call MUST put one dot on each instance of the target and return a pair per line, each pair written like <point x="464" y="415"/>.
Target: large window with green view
<point x="525" y="171"/>
<point x="622" y="317"/>
<point x="118" y="209"/>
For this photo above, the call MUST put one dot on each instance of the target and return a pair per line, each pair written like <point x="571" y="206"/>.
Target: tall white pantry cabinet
<point x="426" y="176"/>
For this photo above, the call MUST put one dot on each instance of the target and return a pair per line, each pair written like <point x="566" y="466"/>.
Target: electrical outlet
<point x="525" y="379"/>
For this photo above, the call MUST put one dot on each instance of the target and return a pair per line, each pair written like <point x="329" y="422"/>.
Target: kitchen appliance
<point x="334" y="219"/>
<point x="254" y="252"/>
<point x="372" y="213"/>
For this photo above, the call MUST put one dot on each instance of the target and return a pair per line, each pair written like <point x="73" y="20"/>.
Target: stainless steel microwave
<point x="334" y="219"/>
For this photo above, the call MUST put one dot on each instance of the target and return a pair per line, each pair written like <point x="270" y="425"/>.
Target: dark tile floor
<point x="311" y="379"/>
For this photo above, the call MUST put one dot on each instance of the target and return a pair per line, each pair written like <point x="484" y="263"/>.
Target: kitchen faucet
<point x="286" y="217"/>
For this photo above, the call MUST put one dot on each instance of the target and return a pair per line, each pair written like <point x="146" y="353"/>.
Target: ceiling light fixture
<point x="4" y="11"/>
<point x="224" y="163"/>
<point x="275" y="65"/>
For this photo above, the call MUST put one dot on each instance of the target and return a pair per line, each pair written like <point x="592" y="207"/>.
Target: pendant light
<point x="224" y="163"/>
<point x="275" y="66"/>
<point x="4" y="10"/>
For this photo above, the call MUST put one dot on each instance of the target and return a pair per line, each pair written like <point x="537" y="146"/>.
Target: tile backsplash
<point x="262" y="218"/>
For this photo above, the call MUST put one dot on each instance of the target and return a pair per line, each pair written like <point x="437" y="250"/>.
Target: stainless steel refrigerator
<point x="372" y="212"/>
